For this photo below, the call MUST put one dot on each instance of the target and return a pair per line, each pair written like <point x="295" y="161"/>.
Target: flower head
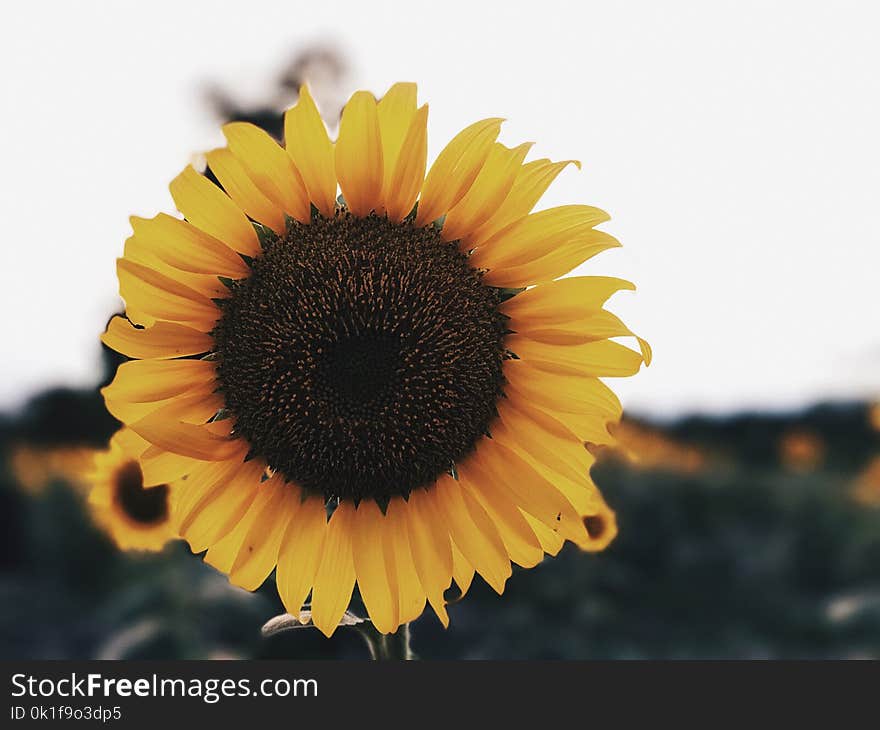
<point x="135" y="516"/>
<point x="392" y="388"/>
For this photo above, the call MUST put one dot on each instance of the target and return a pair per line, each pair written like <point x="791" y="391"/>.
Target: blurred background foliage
<point x="750" y="536"/>
<point x="755" y="535"/>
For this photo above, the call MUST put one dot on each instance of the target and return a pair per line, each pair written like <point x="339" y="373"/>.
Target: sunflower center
<point x="145" y="506"/>
<point x="361" y="358"/>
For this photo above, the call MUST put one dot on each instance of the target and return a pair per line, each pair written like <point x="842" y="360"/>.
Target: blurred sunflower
<point x="135" y="516"/>
<point x="36" y="466"/>
<point x="393" y="390"/>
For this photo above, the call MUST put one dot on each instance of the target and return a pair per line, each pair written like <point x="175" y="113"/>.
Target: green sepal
<point x="266" y="235"/>
<point x="411" y="216"/>
<point x="505" y="293"/>
<point x="383" y="502"/>
<point x="221" y="415"/>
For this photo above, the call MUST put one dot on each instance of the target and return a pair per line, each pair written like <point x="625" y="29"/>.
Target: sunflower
<point x="135" y="516"/>
<point x="391" y="388"/>
<point x="36" y="466"/>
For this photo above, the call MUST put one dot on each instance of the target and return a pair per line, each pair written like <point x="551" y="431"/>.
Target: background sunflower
<point x="135" y="516"/>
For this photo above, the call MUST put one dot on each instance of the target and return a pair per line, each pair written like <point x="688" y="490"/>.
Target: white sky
<point x="735" y="145"/>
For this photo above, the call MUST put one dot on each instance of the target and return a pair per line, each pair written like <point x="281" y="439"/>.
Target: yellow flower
<point x="137" y="518"/>
<point x="397" y="389"/>
<point x="35" y="467"/>
<point x="866" y="490"/>
<point x="874" y="416"/>
<point x="801" y="450"/>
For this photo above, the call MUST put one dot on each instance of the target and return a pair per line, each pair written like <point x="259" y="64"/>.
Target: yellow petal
<point x="162" y="297"/>
<point x="549" y="458"/>
<point x="194" y="406"/>
<point x="404" y="181"/>
<point x="473" y="532"/>
<point x="368" y="549"/>
<point x="396" y="111"/>
<point x="455" y="169"/>
<point x="603" y="358"/>
<point x="141" y="251"/>
<point x="204" y="481"/>
<point x="162" y="340"/>
<point x="209" y="208"/>
<point x="257" y="554"/>
<point x="531" y="183"/>
<point x="488" y="192"/>
<point x="260" y="516"/>
<point x="561" y="391"/>
<point x="411" y="594"/>
<point x="359" y="155"/>
<point x="129" y="442"/>
<point x="334" y="579"/>
<point x="553" y="427"/>
<point x="185" y="247"/>
<point x="565" y="300"/>
<point x="601" y="325"/>
<point x="431" y="549"/>
<point x="538" y="234"/>
<point x="590" y="428"/>
<point x="520" y="415"/>
<point x="519" y="539"/>
<point x="462" y="571"/>
<point x="244" y="193"/>
<point x="270" y="167"/>
<point x="552" y="265"/>
<point x="143" y="381"/>
<point x="215" y="499"/>
<point x="526" y="488"/>
<point x="587" y="426"/>
<point x="308" y="144"/>
<point x="390" y="562"/>
<point x="551" y="542"/>
<point x="186" y="439"/>
<point x="162" y="467"/>
<point x="300" y="553"/>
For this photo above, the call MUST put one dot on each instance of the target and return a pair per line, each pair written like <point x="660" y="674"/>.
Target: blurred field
<point x="749" y="536"/>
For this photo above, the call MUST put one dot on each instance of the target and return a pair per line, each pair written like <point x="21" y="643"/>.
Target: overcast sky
<point x="734" y="144"/>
